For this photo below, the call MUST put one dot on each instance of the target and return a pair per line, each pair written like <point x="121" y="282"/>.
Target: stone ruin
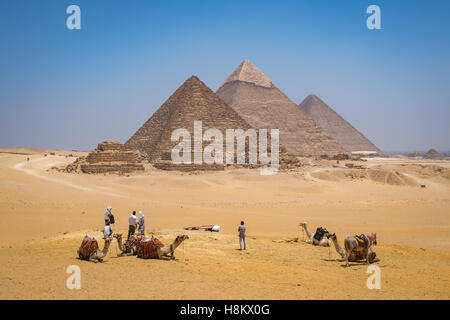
<point x="109" y="157"/>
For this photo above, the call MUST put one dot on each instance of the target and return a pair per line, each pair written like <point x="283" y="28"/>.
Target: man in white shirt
<point x="107" y="231"/>
<point x="132" y="220"/>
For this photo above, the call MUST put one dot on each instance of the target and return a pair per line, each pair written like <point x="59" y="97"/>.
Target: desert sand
<point x="45" y="214"/>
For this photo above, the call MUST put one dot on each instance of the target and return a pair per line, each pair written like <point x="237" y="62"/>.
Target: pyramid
<point x="191" y="102"/>
<point x="433" y="154"/>
<point x="254" y="97"/>
<point x="336" y="126"/>
<point x="109" y="157"/>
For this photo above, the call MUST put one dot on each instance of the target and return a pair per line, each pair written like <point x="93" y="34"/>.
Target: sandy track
<point x="36" y="166"/>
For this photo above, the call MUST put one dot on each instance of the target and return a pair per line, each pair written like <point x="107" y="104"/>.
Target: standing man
<point x="132" y="224"/>
<point x="241" y="230"/>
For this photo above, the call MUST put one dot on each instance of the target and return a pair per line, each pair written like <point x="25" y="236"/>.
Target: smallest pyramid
<point x="331" y="122"/>
<point x="433" y="154"/>
<point x="110" y="156"/>
<point x="247" y="72"/>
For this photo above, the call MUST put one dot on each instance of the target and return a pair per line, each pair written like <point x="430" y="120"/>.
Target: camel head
<point x="332" y="236"/>
<point x="373" y="238"/>
<point x="118" y="236"/>
<point x="181" y="238"/>
<point x="302" y="224"/>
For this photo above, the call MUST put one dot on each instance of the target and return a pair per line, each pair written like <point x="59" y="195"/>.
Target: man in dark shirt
<point x="241" y="230"/>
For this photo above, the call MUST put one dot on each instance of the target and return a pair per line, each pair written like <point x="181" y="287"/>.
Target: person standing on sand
<point x="108" y="215"/>
<point x="132" y="224"/>
<point x="107" y="231"/>
<point x="241" y="230"/>
<point x="141" y="224"/>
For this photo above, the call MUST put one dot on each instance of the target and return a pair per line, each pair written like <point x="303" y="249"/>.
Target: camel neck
<point x="175" y="244"/>
<point x="106" y="247"/>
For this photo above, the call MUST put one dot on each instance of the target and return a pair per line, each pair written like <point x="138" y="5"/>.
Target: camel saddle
<point x="88" y="245"/>
<point x="148" y="247"/>
<point x="362" y="240"/>
<point x="134" y="243"/>
<point x="320" y="232"/>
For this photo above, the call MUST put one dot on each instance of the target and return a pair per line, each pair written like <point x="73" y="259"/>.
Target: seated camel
<point x="319" y="238"/>
<point x="137" y="245"/>
<point x="354" y="245"/>
<point x="355" y="256"/>
<point x="152" y="248"/>
<point x="89" y="249"/>
<point x="129" y="247"/>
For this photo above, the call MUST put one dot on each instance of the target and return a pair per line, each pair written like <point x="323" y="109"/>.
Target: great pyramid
<point x="336" y="126"/>
<point x="254" y="97"/>
<point x="191" y="102"/>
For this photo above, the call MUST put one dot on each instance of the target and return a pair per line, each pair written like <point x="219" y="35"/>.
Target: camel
<point x="97" y="255"/>
<point x="166" y="252"/>
<point x="352" y="245"/>
<point x="354" y="257"/>
<point x="324" y="242"/>
<point x="127" y="249"/>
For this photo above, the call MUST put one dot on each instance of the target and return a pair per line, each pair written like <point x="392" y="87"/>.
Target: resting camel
<point x="97" y="255"/>
<point x="354" y="257"/>
<point x="163" y="252"/>
<point x="352" y="245"/>
<point x="324" y="242"/>
<point x="127" y="249"/>
<point x="166" y="252"/>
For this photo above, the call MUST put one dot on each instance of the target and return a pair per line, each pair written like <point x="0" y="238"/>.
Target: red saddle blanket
<point x="134" y="243"/>
<point x="88" y="245"/>
<point x="148" y="247"/>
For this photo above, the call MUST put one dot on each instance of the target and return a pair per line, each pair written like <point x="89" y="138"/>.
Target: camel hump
<point x="148" y="248"/>
<point x="88" y="246"/>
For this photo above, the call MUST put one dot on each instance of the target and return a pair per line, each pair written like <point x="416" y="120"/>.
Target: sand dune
<point x="45" y="213"/>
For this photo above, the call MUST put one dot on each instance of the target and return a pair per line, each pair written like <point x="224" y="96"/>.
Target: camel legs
<point x="347" y="257"/>
<point x="125" y="254"/>
<point x="324" y="242"/>
<point x="95" y="260"/>
<point x="164" y="256"/>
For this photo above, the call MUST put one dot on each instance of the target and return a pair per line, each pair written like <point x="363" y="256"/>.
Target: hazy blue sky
<point x="71" y="89"/>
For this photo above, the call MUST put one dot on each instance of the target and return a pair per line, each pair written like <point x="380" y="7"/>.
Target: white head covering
<point x="141" y="215"/>
<point x="107" y="213"/>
